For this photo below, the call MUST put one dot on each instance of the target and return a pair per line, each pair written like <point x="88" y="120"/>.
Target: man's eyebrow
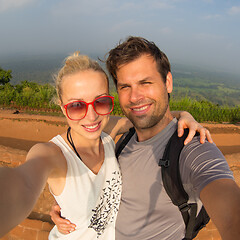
<point x="122" y="84"/>
<point x="145" y="79"/>
<point x="140" y="80"/>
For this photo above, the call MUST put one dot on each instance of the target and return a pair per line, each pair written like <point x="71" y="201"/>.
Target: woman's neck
<point x="84" y="145"/>
<point x="90" y="152"/>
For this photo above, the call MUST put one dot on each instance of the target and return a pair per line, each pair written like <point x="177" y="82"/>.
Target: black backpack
<point x="173" y="184"/>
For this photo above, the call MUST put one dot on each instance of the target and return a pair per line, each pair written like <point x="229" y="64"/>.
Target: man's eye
<point x="123" y="87"/>
<point x="145" y="83"/>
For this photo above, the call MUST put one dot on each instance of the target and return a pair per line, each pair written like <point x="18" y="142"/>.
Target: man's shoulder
<point x="194" y="148"/>
<point x="200" y="164"/>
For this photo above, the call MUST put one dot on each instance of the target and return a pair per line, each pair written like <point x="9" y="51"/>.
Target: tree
<point x="5" y="76"/>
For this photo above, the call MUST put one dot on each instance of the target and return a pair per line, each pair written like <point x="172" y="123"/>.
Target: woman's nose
<point x="91" y="114"/>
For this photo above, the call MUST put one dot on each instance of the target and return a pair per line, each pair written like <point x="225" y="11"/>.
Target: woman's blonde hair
<point x="73" y="64"/>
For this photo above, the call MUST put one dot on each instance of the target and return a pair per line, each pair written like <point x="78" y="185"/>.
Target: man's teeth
<point x="91" y="127"/>
<point x="140" y="109"/>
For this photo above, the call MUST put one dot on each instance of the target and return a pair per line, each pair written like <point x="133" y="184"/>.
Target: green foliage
<point x="5" y="76"/>
<point x="7" y="94"/>
<point x="117" y="109"/>
<point x="199" y="88"/>
<point x="205" y="111"/>
<point x="30" y="95"/>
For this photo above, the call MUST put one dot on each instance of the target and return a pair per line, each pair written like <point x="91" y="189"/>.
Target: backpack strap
<point x="173" y="184"/>
<point x="125" y="141"/>
<point x="170" y="170"/>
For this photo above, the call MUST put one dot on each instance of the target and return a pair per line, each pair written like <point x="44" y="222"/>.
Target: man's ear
<point x="169" y="82"/>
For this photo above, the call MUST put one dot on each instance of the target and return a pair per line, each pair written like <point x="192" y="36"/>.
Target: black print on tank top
<point x="108" y="206"/>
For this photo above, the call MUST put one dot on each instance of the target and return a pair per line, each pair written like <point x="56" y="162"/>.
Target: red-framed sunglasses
<point x="77" y="110"/>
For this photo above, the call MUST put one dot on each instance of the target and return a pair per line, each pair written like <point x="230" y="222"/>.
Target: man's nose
<point x="136" y="94"/>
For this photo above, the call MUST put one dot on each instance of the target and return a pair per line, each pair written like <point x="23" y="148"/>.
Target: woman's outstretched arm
<point x="20" y="187"/>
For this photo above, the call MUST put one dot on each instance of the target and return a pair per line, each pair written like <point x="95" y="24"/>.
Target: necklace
<point x="69" y="138"/>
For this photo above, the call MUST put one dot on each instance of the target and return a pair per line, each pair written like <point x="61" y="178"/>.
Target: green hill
<point x="200" y="84"/>
<point x="189" y="81"/>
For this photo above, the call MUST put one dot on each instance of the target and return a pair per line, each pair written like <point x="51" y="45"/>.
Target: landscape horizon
<point x="196" y="82"/>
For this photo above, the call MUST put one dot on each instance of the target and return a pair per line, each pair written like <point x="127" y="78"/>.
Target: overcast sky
<point x="197" y="32"/>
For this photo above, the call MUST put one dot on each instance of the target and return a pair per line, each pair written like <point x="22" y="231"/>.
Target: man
<point x="143" y="78"/>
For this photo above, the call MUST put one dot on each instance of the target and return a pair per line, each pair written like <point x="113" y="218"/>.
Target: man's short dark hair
<point x="131" y="49"/>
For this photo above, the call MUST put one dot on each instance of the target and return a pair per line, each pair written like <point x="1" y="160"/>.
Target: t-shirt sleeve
<point x="200" y="164"/>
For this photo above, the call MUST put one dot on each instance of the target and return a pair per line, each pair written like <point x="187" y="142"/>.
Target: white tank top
<point x="88" y="200"/>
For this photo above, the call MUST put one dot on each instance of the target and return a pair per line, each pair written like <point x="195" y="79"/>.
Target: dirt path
<point x="21" y="131"/>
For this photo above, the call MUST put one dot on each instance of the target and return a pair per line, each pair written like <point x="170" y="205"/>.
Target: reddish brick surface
<point x="29" y="234"/>
<point x="47" y="226"/>
<point x="42" y="235"/>
<point x="32" y="224"/>
<point x="29" y="230"/>
<point x="208" y="233"/>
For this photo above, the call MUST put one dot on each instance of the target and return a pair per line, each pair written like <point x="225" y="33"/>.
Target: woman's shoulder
<point x="45" y="151"/>
<point x="45" y="147"/>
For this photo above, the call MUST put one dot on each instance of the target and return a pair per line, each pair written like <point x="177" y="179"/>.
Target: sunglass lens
<point x="76" y="110"/>
<point x="103" y="105"/>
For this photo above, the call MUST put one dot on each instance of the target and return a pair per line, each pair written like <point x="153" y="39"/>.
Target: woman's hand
<point x="186" y="120"/>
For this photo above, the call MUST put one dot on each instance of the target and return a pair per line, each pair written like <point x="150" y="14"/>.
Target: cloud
<point x="208" y="1"/>
<point x="85" y="7"/>
<point x="6" y="5"/>
<point x="161" y="4"/>
<point x="215" y="16"/>
<point x="104" y="7"/>
<point x="165" y="31"/>
<point x="234" y="10"/>
<point x="206" y="37"/>
<point x="126" y="26"/>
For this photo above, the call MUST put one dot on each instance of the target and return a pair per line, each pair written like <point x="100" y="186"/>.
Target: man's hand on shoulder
<point x="64" y="226"/>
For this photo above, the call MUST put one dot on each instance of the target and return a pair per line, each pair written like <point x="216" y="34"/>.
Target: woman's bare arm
<point x="186" y="120"/>
<point x="117" y="125"/>
<point x="20" y="187"/>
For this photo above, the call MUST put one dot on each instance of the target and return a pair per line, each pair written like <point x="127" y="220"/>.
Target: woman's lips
<point x="92" y="127"/>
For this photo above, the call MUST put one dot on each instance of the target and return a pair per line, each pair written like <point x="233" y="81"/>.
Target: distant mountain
<point x="191" y="81"/>
<point x="180" y="70"/>
<point x="38" y="69"/>
<point x="33" y="68"/>
<point x="201" y="84"/>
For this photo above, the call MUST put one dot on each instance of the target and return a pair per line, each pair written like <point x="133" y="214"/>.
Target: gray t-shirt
<point x="146" y="212"/>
